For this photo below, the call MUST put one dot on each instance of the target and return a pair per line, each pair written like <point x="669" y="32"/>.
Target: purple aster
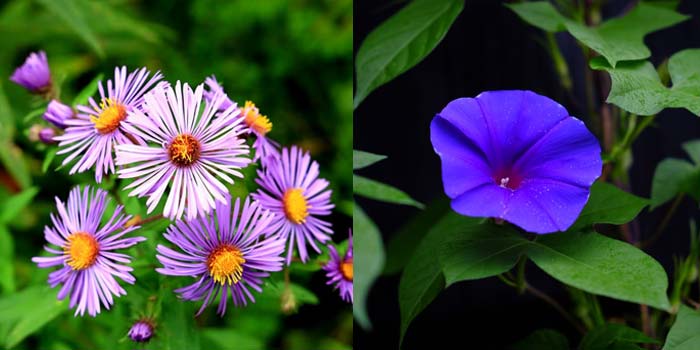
<point x="189" y="150"/>
<point x="257" y="124"/>
<point x="516" y="156"/>
<point x="97" y="128"/>
<point x="228" y="252"/>
<point x="290" y="187"/>
<point x="34" y="74"/>
<point x="339" y="270"/>
<point x="86" y="252"/>
<point x="141" y="331"/>
<point x="57" y="113"/>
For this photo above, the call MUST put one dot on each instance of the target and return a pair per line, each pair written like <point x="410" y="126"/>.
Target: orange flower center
<point x="295" y="206"/>
<point x="346" y="269"/>
<point x="225" y="264"/>
<point x="112" y="113"/>
<point x="184" y="150"/>
<point x="256" y="121"/>
<point x="82" y="249"/>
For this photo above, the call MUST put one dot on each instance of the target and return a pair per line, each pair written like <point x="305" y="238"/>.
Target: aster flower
<point x="97" y="128"/>
<point x="257" y="123"/>
<point x="339" y="271"/>
<point x="141" y="331"/>
<point x="88" y="263"/>
<point x="34" y="74"/>
<point x="57" y="113"/>
<point x="189" y="151"/>
<point x="290" y="188"/>
<point x="229" y="252"/>
<point x="516" y="156"/>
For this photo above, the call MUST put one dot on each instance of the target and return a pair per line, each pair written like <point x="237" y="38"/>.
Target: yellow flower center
<point x="295" y="206"/>
<point x="346" y="269"/>
<point x="225" y="264"/>
<point x="82" y="249"/>
<point x="256" y="121"/>
<point x="112" y="113"/>
<point x="184" y="150"/>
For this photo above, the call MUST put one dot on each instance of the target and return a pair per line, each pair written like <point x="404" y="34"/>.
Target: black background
<point x="490" y="48"/>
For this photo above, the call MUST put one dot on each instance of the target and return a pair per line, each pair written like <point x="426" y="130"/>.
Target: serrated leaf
<point x="362" y="159"/>
<point x="684" y="332"/>
<point x="14" y="205"/>
<point x="637" y="88"/>
<point x="672" y="176"/>
<point x="602" y="337"/>
<point x="540" y="14"/>
<point x="376" y="190"/>
<point x="401" y="42"/>
<point x="603" y="266"/>
<point x="368" y="257"/>
<point x="73" y="13"/>
<point x="609" y="205"/>
<point x="89" y="90"/>
<point x="543" y="339"/>
<point x="480" y="250"/>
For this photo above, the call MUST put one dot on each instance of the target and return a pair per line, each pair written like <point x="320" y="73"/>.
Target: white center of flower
<point x="504" y="182"/>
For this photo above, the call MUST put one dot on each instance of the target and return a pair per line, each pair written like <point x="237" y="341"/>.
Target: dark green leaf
<point x="368" y="257"/>
<point x="622" y="39"/>
<point x="404" y="242"/>
<point x="602" y="337"/>
<point x="361" y="159"/>
<point x="693" y="150"/>
<point x="602" y="265"/>
<point x="7" y="264"/>
<point x="73" y="13"/>
<point x="89" y="90"/>
<point x="609" y="205"/>
<point x="670" y="178"/>
<point x="422" y="279"/>
<point x="540" y="14"/>
<point x="543" y="339"/>
<point x="401" y="42"/>
<point x="14" y="205"/>
<point x="684" y="333"/>
<point x="365" y="187"/>
<point x="480" y="250"/>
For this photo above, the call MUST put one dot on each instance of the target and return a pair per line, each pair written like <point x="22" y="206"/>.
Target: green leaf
<point x="622" y="39"/>
<point x="225" y="338"/>
<point x="480" y="250"/>
<point x="177" y="328"/>
<point x="11" y="156"/>
<point x="33" y="114"/>
<point x="7" y="264"/>
<point x="90" y="89"/>
<point x="672" y="176"/>
<point x="609" y="205"/>
<point x="684" y="333"/>
<point x="401" y="42"/>
<point x="602" y="337"/>
<point x="543" y="339"/>
<point x="637" y="88"/>
<point x="540" y="14"/>
<point x="25" y="312"/>
<point x="361" y="159"/>
<point x="368" y="188"/>
<point x="14" y="205"/>
<point x="693" y="150"/>
<point x="404" y="242"/>
<point x="368" y="256"/>
<point x="602" y="265"/>
<point x="50" y="155"/>
<point x="422" y="279"/>
<point x="72" y="12"/>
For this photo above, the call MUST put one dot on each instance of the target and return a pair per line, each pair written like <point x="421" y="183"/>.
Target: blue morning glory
<point x="516" y="156"/>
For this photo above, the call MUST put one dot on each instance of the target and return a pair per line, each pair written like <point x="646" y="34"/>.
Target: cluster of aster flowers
<point x="178" y="146"/>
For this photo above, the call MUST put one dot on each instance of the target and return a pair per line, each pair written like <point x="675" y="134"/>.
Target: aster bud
<point x="34" y="74"/>
<point x="46" y="135"/>
<point x="141" y="331"/>
<point x="57" y="113"/>
<point x="288" y="301"/>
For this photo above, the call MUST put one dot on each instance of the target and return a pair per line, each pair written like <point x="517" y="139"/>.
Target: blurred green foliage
<point x="291" y="57"/>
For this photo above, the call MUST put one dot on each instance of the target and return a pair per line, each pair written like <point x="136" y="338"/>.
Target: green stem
<point x="664" y="222"/>
<point x="560" y="65"/>
<point x="553" y="303"/>
<point x="520" y="277"/>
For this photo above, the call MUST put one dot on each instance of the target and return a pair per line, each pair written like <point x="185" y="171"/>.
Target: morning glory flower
<point x="516" y="156"/>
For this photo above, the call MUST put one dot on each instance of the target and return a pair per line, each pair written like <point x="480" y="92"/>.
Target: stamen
<point x="225" y="264"/>
<point x="82" y="250"/>
<point x="346" y="269"/>
<point x="111" y="115"/>
<point x="256" y="121"/>
<point x="295" y="206"/>
<point x="184" y="150"/>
